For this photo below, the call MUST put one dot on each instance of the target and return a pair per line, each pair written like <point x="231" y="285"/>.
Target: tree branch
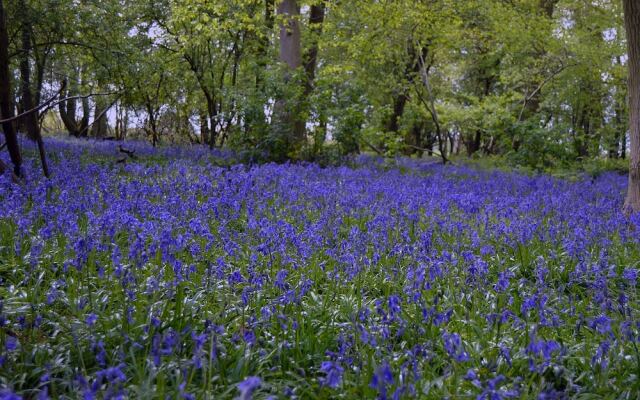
<point x="51" y="103"/>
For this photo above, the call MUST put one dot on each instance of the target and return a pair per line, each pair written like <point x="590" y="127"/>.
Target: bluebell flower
<point x="631" y="275"/>
<point x="91" y="319"/>
<point x="333" y="372"/>
<point x="601" y="324"/>
<point x="184" y="394"/>
<point x="249" y="337"/>
<point x="248" y="386"/>
<point x="382" y="378"/>
<point x="6" y="394"/>
<point x="112" y="374"/>
<point x="11" y="343"/>
<point x="453" y="345"/>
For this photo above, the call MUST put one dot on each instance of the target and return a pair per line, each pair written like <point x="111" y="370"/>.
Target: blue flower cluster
<point x="171" y="277"/>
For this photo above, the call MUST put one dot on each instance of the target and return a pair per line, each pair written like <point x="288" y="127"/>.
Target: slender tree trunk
<point x="615" y="145"/>
<point x="153" y="128"/>
<point x="316" y="19"/>
<point x="67" y="110"/>
<point x="632" y="24"/>
<point x="84" y="123"/>
<point x="204" y="128"/>
<point x="474" y="142"/>
<point x="431" y="105"/>
<point x="401" y="97"/>
<point x="6" y="106"/>
<point x="399" y="102"/>
<point x="212" y="112"/>
<point x="31" y="119"/>
<point x="99" y="128"/>
<point x="125" y="123"/>
<point x="269" y="7"/>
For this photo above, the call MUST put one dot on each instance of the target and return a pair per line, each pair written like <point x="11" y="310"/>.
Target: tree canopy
<point x="541" y="82"/>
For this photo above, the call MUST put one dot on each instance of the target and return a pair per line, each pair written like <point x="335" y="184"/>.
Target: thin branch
<point x="436" y="152"/>
<point x="374" y="148"/>
<point x="540" y="87"/>
<point x="432" y="106"/>
<point x="130" y="153"/>
<point x="51" y="103"/>
<point x="66" y="43"/>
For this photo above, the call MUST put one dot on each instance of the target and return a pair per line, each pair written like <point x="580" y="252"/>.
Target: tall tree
<point x="6" y="103"/>
<point x="30" y="119"/>
<point x="289" y="125"/>
<point x="68" y="109"/>
<point x="632" y="24"/>
<point x="316" y="19"/>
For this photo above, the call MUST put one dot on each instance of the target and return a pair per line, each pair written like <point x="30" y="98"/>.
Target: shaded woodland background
<point x="541" y="83"/>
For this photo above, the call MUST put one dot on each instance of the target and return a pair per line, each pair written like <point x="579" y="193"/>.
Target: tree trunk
<point x="6" y="106"/>
<point x="474" y="142"/>
<point x="31" y="119"/>
<point x="68" y="109"/>
<point x="212" y="112"/>
<point x="289" y="125"/>
<point x="616" y="144"/>
<point x="632" y="25"/>
<point x="204" y="128"/>
<point x="152" y="123"/>
<point x="548" y="7"/>
<point x="99" y="128"/>
<point x="316" y="19"/>
<point x="290" y="38"/>
<point x="263" y="44"/>
<point x="399" y="102"/>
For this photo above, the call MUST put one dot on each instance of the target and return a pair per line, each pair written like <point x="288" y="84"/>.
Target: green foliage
<point x="540" y="82"/>
<point x="539" y="149"/>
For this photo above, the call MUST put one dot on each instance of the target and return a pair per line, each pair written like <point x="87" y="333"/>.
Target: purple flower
<point x="601" y="324"/>
<point x="184" y="394"/>
<point x="6" y="394"/>
<point x="248" y="386"/>
<point x="473" y="377"/>
<point x="112" y="375"/>
<point x="333" y="373"/>
<point x="600" y="358"/>
<point x="503" y="281"/>
<point x="631" y="275"/>
<point x="11" y="343"/>
<point x="249" y="337"/>
<point x="91" y="319"/>
<point x="381" y="379"/>
<point x="453" y="346"/>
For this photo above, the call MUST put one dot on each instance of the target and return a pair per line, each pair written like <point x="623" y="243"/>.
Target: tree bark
<point x="68" y="109"/>
<point x="290" y="38"/>
<point x="289" y="125"/>
<point x="548" y="7"/>
<point x="399" y="102"/>
<point x="31" y="119"/>
<point x="269" y="8"/>
<point x="401" y="97"/>
<point x="204" y="128"/>
<point x="6" y="106"/>
<point x="99" y="128"/>
<point x="632" y="25"/>
<point x="316" y="19"/>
